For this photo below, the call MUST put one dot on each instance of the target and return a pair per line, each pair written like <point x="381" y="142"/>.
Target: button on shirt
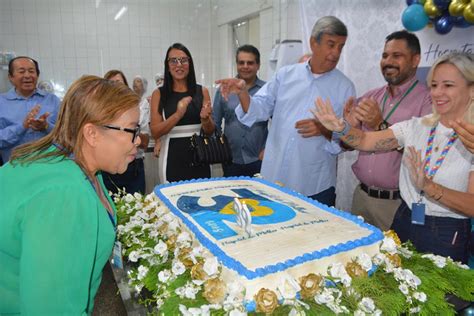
<point x="306" y="165"/>
<point x="245" y="142"/>
<point x="381" y="170"/>
<point x="13" y="110"/>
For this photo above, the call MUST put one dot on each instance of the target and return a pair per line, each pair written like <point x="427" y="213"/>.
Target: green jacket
<point x="55" y="238"/>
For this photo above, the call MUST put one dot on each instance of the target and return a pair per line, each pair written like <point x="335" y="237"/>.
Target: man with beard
<point x="26" y="113"/>
<point x="378" y="197"/>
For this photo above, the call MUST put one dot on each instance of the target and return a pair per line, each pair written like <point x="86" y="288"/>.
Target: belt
<point x="381" y="194"/>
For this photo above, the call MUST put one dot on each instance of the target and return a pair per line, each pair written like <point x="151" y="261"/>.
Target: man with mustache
<point x="26" y="113"/>
<point x="378" y="197"/>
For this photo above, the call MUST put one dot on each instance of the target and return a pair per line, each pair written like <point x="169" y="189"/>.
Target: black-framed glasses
<point x="180" y="60"/>
<point x="134" y="131"/>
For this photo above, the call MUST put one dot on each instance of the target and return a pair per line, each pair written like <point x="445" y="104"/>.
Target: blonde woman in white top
<point x="437" y="177"/>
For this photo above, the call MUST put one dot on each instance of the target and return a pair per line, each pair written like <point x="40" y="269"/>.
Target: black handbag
<point x="208" y="150"/>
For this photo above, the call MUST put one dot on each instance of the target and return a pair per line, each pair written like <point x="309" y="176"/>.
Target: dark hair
<point x="411" y="39"/>
<point x="248" y="49"/>
<point x="167" y="88"/>
<point x="112" y="73"/>
<point x="10" y="64"/>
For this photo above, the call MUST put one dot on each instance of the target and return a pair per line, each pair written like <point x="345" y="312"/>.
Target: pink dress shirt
<point x="382" y="169"/>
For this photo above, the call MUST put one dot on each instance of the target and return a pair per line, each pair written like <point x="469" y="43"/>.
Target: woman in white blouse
<point x="437" y="177"/>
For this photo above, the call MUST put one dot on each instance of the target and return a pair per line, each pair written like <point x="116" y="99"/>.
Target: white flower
<point x="420" y="296"/>
<point x="160" y="302"/>
<point x="380" y="259"/>
<point x="367" y="305"/>
<point x="142" y="271"/>
<point x="288" y="287"/>
<point x="296" y="312"/>
<point x="137" y="196"/>
<point x="192" y="311"/>
<point x="403" y="288"/>
<point x="365" y="261"/>
<point x="134" y="256"/>
<point x="164" y="275"/>
<point x="412" y="280"/>
<point x="211" y="266"/>
<point x="138" y="288"/>
<point x="128" y="198"/>
<point x="178" y="267"/>
<point x="187" y="291"/>
<point x="160" y="248"/>
<point x="415" y="310"/>
<point x="462" y="266"/>
<point x="405" y="252"/>
<point x="184" y="239"/>
<point x="236" y="312"/>
<point x="324" y="297"/>
<point x="338" y="271"/>
<point x="389" y="245"/>
<point x="439" y="261"/>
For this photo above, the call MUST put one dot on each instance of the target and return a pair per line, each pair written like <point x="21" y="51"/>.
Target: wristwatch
<point x="347" y="128"/>
<point x="384" y="125"/>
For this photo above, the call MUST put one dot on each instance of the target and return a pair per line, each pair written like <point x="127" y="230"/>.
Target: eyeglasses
<point x="181" y="60"/>
<point x="135" y="131"/>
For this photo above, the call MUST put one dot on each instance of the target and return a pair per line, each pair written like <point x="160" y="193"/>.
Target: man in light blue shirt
<point x="247" y="143"/>
<point x="300" y="153"/>
<point x="26" y="113"/>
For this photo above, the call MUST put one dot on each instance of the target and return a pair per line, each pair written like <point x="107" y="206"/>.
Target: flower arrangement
<point x="181" y="277"/>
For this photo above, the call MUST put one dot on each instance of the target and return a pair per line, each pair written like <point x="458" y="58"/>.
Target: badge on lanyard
<point x="418" y="213"/>
<point x="117" y="259"/>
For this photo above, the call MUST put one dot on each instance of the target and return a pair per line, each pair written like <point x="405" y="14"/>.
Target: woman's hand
<point x="206" y="112"/>
<point x="183" y="106"/>
<point x="416" y="167"/>
<point x="325" y="114"/>
<point x="465" y="132"/>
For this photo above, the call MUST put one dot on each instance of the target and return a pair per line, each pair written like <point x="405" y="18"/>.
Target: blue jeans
<point x="236" y="170"/>
<point x="327" y="196"/>
<point x="444" y="236"/>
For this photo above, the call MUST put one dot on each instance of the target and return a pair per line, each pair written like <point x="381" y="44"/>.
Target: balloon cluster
<point x="442" y="14"/>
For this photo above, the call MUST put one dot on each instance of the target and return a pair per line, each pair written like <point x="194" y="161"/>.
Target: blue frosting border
<point x="237" y="266"/>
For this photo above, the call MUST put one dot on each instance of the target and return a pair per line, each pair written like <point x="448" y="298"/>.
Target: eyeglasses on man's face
<point x="181" y="60"/>
<point x="134" y="131"/>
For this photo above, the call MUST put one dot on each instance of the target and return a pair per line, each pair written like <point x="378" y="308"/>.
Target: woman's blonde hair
<point x="464" y="62"/>
<point x="90" y="99"/>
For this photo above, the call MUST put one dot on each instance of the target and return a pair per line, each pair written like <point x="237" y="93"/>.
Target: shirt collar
<point x="308" y="67"/>
<point x="404" y="87"/>
<point x="12" y="95"/>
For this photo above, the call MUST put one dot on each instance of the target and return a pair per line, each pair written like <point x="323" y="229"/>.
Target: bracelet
<point x="345" y="130"/>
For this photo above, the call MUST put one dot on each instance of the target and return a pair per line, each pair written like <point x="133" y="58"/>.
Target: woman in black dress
<point x="179" y="109"/>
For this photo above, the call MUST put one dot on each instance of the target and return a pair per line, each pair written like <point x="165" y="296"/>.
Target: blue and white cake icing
<point x="291" y="233"/>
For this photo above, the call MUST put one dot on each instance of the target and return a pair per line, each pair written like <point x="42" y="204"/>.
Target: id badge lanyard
<point x="418" y="209"/>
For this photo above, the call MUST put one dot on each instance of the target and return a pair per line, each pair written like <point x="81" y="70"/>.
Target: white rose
<point x="160" y="248"/>
<point x="190" y="291"/>
<point x="142" y="271"/>
<point x="211" y="266"/>
<point x="365" y="261"/>
<point x="128" y="198"/>
<point x="412" y="280"/>
<point x="367" y="305"/>
<point x="164" y="276"/>
<point x="338" y="271"/>
<point x="137" y="196"/>
<point x="389" y="245"/>
<point x="133" y="256"/>
<point x="288" y="287"/>
<point x="178" y="267"/>
<point x="184" y="238"/>
<point x="380" y="259"/>
<point x="420" y="296"/>
<point x="403" y="288"/>
<point x="324" y="297"/>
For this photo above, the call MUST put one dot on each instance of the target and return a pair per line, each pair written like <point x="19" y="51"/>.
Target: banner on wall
<point x="434" y="45"/>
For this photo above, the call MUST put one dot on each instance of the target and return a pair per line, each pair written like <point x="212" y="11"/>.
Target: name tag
<point x="418" y="213"/>
<point x="117" y="259"/>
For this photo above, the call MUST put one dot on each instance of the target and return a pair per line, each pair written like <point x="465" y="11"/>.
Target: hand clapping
<point x="231" y="85"/>
<point x="325" y="114"/>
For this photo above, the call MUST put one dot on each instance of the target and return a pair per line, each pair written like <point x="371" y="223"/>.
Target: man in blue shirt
<point x="247" y="143"/>
<point x="300" y="152"/>
<point x="26" y="113"/>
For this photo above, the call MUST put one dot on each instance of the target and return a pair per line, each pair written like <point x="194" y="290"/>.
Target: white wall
<point x="70" y="38"/>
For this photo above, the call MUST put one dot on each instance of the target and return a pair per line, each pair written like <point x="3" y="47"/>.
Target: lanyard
<point x="385" y="97"/>
<point x="429" y="150"/>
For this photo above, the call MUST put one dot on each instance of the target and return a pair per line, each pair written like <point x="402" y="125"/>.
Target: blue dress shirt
<point x="245" y="142"/>
<point x="13" y="110"/>
<point x="306" y="165"/>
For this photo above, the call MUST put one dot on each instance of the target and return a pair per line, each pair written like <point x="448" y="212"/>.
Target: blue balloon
<point x="443" y="25"/>
<point x="414" y="18"/>
<point x="410" y="2"/>
<point x="460" y="21"/>
<point x="442" y="4"/>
